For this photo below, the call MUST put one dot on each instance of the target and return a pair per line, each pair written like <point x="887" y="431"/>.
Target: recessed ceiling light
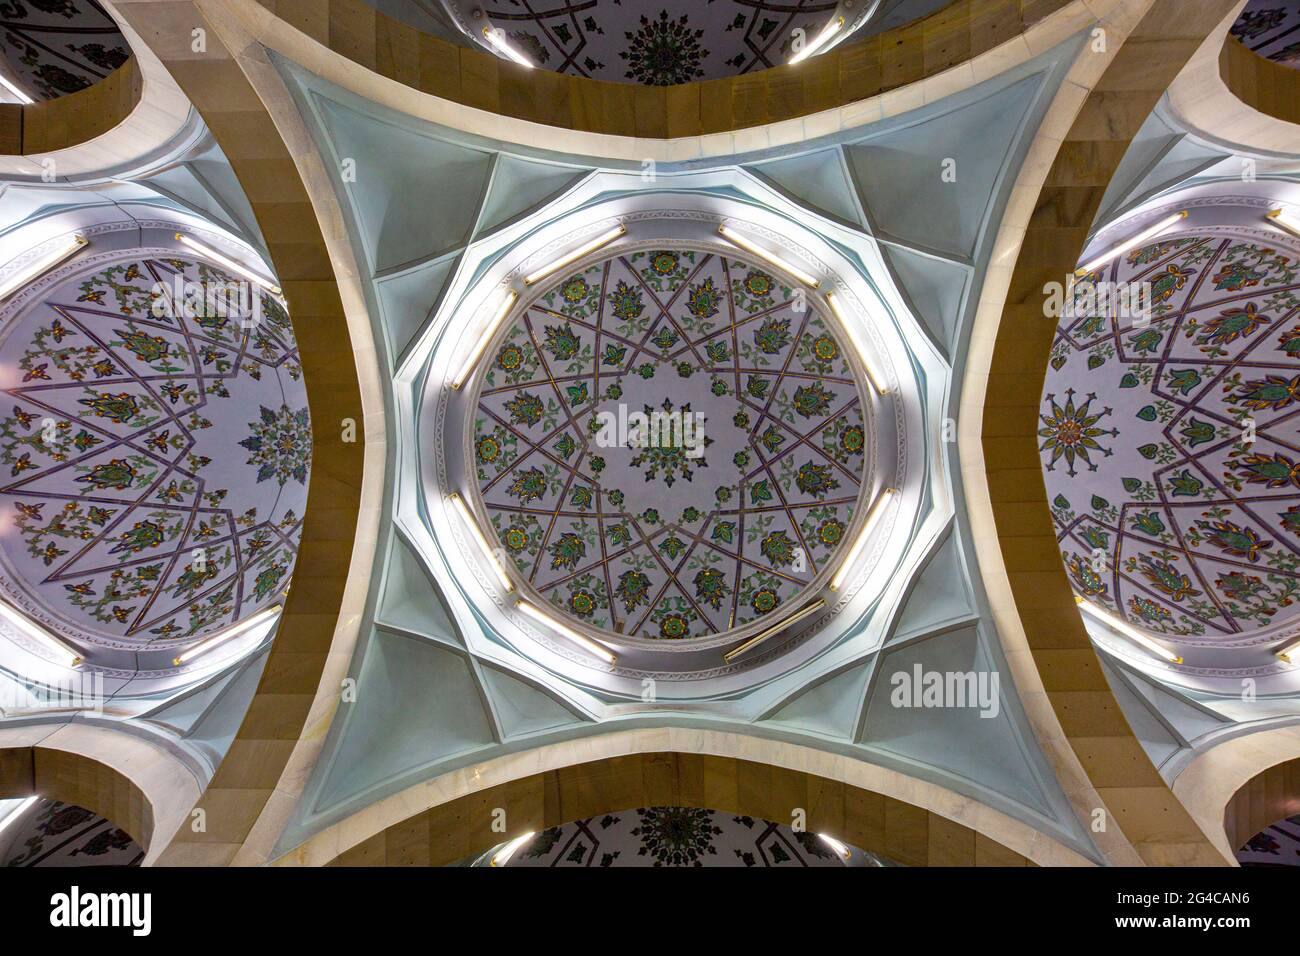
<point x="537" y="614"/>
<point x="822" y="38"/>
<point x="229" y="263"/>
<point x="1283" y="221"/>
<point x="1132" y="243"/>
<point x="736" y="239"/>
<point x="1132" y="633"/>
<point x="229" y="634"/>
<point x="842" y="851"/>
<point x="872" y="375"/>
<point x="42" y="265"/>
<point x="13" y="88"/>
<point x="13" y="815"/>
<point x="605" y="238"/>
<point x="18" y="619"/>
<point x="497" y="37"/>
<point x="458" y="503"/>
<point x="777" y="628"/>
<point x="489" y="330"/>
<point x="503" y="855"/>
<point x="873" y="515"/>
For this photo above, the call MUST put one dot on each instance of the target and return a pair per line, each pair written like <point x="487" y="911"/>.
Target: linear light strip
<point x="1132" y="243"/>
<point x="18" y="619"/>
<point x="497" y="37"/>
<point x="503" y="855"/>
<point x="842" y="851"/>
<point x="1283" y="652"/>
<point x="458" y="503"/>
<point x="873" y="515"/>
<point x="1283" y="221"/>
<point x="1132" y="633"/>
<point x="828" y="31"/>
<point x="42" y="265"/>
<point x="736" y="239"/>
<point x="229" y="634"/>
<point x="872" y="375"/>
<point x="775" y="629"/>
<point x="17" y="811"/>
<point x="489" y="330"/>
<point x="13" y="88"/>
<point x="604" y="239"/>
<point x="537" y="614"/>
<point x="229" y="263"/>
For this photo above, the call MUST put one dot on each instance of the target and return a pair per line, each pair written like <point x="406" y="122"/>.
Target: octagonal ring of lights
<point x="670" y="444"/>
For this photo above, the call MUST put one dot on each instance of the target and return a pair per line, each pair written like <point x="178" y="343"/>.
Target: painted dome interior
<point x="1166" y="512"/>
<point x="55" y="47"/>
<point x="49" y="833"/>
<point x="681" y="837"/>
<point x="659" y="44"/>
<point x="154" y="459"/>
<point x="702" y="528"/>
<point x="1271" y="28"/>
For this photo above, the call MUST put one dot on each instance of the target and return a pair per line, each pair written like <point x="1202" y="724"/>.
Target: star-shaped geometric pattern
<point x="697" y="534"/>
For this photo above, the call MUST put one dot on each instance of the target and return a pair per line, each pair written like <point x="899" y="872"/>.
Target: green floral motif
<point x="778" y="548"/>
<point x="626" y="302"/>
<point x="813" y="401"/>
<point x="525" y="409"/>
<point x="528" y="486"/>
<point x="633" y="590"/>
<point x="704" y="299"/>
<point x="711" y="587"/>
<point x="567" y="550"/>
<point x="772" y="336"/>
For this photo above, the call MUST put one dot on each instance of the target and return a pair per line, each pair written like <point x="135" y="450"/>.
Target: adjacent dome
<point x="754" y="447"/>
<point x="1269" y="28"/>
<point x="154" y="465"/>
<point x="671" y="42"/>
<point x="55" y="47"/>
<point x="1166" y="512"/>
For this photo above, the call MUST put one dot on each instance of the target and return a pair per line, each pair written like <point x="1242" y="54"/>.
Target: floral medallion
<point x="154" y="460"/>
<point x="669" y="444"/>
<point x="1170" y="446"/>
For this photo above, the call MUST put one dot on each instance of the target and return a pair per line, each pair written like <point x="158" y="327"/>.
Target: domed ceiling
<point x="728" y="505"/>
<point x="1167" y="512"/>
<point x="55" y="47"/>
<point x="154" y="460"/>
<point x="659" y="44"/>
<point x="1271" y="28"/>
<point x="680" y="837"/>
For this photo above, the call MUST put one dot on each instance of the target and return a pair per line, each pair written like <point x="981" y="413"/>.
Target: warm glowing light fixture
<point x="489" y="330"/>
<point x="537" y="614"/>
<point x="42" y="265"/>
<point x="1132" y="633"/>
<point x="842" y="851"/>
<point x="1283" y="221"/>
<point x="1132" y="242"/>
<point x="229" y="263"/>
<point x="873" y="515"/>
<point x="1283" y="652"/>
<point x="17" y="812"/>
<point x="872" y="375"/>
<point x="229" y="634"/>
<point x="762" y="636"/>
<point x="458" y="503"/>
<point x="503" y="855"/>
<point x="40" y="635"/>
<point x="13" y="88"/>
<point x="736" y="239"/>
<point x="497" y="37"/>
<point x="604" y="239"/>
<point x="819" y="41"/>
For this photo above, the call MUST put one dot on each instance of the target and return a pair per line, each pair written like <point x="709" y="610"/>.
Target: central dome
<point x="670" y="444"/>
